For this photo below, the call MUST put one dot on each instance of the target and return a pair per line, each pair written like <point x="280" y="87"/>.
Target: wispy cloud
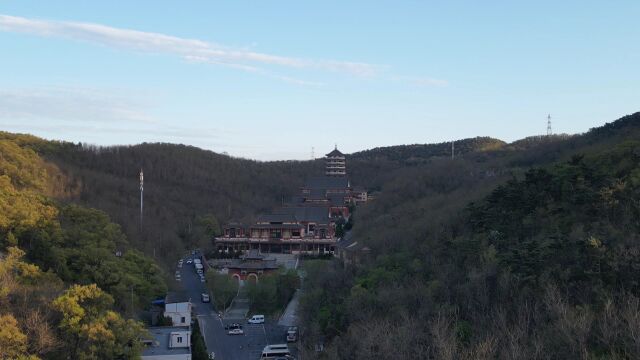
<point x="256" y="70"/>
<point x="94" y="114"/>
<point x="72" y="104"/>
<point x="189" y="49"/>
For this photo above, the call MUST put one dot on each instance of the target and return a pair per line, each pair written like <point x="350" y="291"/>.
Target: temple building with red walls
<point x="250" y="266"/>
<point x="307" y="223"/>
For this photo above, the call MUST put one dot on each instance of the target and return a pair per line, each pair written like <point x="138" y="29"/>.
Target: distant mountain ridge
<point x="513" y="253"/>
<point x="185" y="182"/>
<point x="424" y="151"/>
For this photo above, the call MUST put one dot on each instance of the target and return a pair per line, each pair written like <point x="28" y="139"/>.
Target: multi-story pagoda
<point x="305" y="224"/>
<point x="336" y="164"/>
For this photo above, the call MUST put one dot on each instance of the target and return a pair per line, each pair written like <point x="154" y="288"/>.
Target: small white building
<point x="177" y="306"/>
<point x="168" y="343"/>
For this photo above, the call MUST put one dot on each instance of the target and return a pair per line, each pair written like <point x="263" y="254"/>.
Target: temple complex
<point x="305" y="224"/>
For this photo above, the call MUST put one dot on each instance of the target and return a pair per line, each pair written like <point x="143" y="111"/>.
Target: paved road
<point x="239" y="307"/>
<point x="289" y="317"/>
<point x="210" y="325"/>
<point x="228" y="347"/>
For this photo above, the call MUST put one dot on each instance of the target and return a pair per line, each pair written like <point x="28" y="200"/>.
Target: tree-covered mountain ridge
<point x="425" y="151"/>
<point x="421" y="227"/>
<point x="542" y="264"/>
<point x="183" y="183"/>
<point x="68" y="274"/>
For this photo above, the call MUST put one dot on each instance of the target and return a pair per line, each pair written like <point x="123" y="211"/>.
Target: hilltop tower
<point x="549" y="132"/>
<point x="141" y="191"/>
<point x="336" y="164"/>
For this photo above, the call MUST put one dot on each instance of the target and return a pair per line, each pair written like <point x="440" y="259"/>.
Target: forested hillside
<point x="507" y="250"/>
<point x="63" y="289"/>
<point x="189" y="192"/>
<point x="417" y="152"/>
<point x="524" y="252"/>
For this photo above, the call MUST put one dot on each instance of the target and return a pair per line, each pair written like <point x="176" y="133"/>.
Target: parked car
<point x="205" y="298"/>
<point x="236" y="331"/>
<point x="189" y="261"/>
<point x="256" y="319"/>
<point x="202" y="279"/>
<point x="233" y="326"/>
<point x="212" y="356"/>
<point x="292" y="334"/>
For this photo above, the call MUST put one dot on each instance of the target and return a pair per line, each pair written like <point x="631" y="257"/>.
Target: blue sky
<point x="272" y="79"/>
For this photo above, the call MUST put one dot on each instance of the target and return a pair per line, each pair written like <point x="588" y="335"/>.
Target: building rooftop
<point x="317" y="214"/>
<point x="327" y="182"/>
<point x="277" y="217"/>
<point x="349" y="244"/>
<point x="337" y="200"/>
<point x="174" y="297"/>
<point x="335" y="153"/>
<point x="253" y="260"/>
<point x="159" y="342"/>
<point x="262" y="265"/>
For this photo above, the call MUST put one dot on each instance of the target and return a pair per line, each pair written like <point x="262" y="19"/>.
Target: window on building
<point x="323" y="233"/>
<point x="295" y="233"/>
<point x="179" y="339"/>
<point x="276" y="233"/>
<point x="183" y="319"/>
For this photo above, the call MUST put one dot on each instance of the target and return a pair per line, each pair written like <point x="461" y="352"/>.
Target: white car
<point x="189" y="261"/>
<point x="256" y="319"/>
<point x="236" y="331"/>
<point x="202" y="279"/>
<point x="205" y="298"/>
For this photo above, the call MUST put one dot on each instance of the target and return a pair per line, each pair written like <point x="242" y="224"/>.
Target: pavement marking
<point x="266" y="339"/>
<point x="204" y="332"/>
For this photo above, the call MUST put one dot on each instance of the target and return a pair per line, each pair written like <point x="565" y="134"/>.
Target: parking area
<point x="247" y="346"/>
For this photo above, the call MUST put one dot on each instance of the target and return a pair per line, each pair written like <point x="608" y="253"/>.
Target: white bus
<point x="275" y="351"/>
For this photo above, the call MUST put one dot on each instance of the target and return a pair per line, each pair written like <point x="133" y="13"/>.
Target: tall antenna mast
<point x="313" y="153"/>
<point x="549" y="132"/>
<point x="453" y="149"/>
<point x="141" y="198"/>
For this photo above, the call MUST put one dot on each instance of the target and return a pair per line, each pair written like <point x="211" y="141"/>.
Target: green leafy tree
<point x="13" y="343"/>
<point x="93" y="331"/>
<point x="198" y="347"/>
<point x="263" y="295"/>
<point x="223" y="287"/>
